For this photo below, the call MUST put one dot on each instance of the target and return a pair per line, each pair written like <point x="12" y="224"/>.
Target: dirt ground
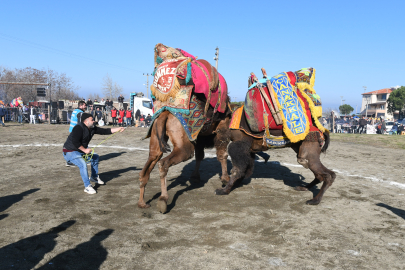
<point x="48" y="222"/>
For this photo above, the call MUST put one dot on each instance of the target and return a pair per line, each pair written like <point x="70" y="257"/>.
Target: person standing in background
<point x="99" y="114"/>
<point x="114" y="116"/>
<point x="32" y="115"/>
<point x="120" y="102"/>
<point x="89" y="103"/>
<point x="2" y="114"/>
<point x="129" y="117"/>
<point x="121" y="116"/>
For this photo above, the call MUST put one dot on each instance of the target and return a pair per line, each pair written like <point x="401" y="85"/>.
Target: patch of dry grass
<point x="388" y="141"/>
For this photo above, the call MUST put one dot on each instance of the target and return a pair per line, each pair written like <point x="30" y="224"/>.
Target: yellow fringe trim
<point x="291" y="136"/>
<point x="312" y="81"/>
<point x="175" y="89"/>
<point x="314" y="111"/>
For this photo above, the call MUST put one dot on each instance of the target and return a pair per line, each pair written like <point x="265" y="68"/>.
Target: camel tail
<point x="327" y="142"/>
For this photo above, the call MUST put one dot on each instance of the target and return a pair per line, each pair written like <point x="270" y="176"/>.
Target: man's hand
<point x="120" y="129"/>
<point x="87" y="150"/>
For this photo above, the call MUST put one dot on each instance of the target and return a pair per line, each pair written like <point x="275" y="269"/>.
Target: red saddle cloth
<point x="202" y="77"/>
<point x="256" y="106"/>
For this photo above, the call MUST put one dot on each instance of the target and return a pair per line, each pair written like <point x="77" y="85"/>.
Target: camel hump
<point x="213" y="74"/>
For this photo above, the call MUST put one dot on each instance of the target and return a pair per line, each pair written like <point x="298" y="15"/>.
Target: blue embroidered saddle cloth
<point x="192" y="120"/>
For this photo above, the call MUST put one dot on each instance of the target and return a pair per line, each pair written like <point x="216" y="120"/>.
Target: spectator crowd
<point x="355" y="124"/>
<point x="102" y="111"/>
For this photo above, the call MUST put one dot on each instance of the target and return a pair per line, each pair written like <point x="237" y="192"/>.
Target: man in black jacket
<point x="121" y="102"/>
<point x="362" y="125"/>
<point x="77" y="144"/>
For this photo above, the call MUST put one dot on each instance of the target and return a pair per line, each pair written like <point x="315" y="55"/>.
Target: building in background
<point x="374" y="104"/>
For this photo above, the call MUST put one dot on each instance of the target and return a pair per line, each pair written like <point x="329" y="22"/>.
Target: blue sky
<point x="350" y="43"/>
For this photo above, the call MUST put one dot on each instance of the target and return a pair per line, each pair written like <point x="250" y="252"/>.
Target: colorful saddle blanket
<point x="192" y="121"/>
<point x="299" y="105"/>
<point x="171" y="64"/>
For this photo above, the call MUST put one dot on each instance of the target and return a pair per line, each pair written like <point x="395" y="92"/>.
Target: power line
<point x="60" y="52"/>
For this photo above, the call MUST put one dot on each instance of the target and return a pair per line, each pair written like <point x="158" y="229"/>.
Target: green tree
<point x="396" y="101"/>
<point x="345" y="109"/>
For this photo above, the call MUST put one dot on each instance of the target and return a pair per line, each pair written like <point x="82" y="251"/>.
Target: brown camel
<point x="242" y="152"/>
<point x="165" y="127"/>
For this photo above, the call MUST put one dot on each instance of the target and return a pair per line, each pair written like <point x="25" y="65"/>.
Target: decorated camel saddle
<point x="286" y="102"/>
<point x="180" y="80"/>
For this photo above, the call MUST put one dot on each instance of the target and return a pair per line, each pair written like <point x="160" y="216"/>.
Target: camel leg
<point x="242" y="164"/>
<point x="199" y="156"/>
<point x="322" y="174"/>
<point x="183" y="150"/>
<point x="309" y="157"/>
<point x="221" y="144"/>
<point x="307" y="187"/>
<point x="155" y="154"/>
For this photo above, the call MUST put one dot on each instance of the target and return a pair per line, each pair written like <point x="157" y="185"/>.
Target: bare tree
<point x="111" y="89"/>
<point x="62" y="87"/>
<point x="117" y="89"/>
<point x="93" y="96"/>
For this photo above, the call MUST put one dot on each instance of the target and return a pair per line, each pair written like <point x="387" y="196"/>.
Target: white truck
<point x="138" y="101"/>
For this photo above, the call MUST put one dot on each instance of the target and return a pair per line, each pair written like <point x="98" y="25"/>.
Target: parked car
<point x="388" y="126"/>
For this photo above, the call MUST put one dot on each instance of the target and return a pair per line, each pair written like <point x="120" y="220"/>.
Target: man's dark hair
<point x="81" y="102"/>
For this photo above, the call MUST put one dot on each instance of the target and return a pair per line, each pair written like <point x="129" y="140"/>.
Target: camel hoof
<point x="225" y="180"/>
<point x="300" y="188"/>
<point x="313" y="202"/>
<point x="220" y="191"/>
<point x="162" y="206"/>
<point x="143" y="205"/>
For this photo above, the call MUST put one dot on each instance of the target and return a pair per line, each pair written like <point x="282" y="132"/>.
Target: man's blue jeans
<point x="20" y="119"/>
<point x="128" y="122"/>
<point x="75" y="157"/>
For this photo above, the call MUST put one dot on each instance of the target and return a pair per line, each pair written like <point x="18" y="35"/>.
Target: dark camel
<point x="242" y="152"/>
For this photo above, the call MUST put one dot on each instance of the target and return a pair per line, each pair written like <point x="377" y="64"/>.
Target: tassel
<point x="159" y="60"/>
<point x="188" y="77"/>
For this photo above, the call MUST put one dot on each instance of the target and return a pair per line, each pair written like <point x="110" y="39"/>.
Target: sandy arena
<point x="48" y="222"/>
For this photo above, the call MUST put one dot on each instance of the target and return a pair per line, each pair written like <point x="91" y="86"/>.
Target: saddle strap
<point x="275" y="112"/>
<point x="271" y="92"/>
<point x="219" y="97"/>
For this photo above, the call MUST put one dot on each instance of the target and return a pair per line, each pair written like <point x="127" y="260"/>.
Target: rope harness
<point x="88" y="157"/>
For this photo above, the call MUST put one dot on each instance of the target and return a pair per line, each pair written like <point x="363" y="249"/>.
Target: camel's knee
<point x="222" y="155"/>
<point x="304" y="162"/>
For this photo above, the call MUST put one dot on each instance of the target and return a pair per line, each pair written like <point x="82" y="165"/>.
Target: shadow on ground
<point x="396" y="211"/>
<point x="89" y="255"/>
<point x="110" y="156"/>
<point x="279" y="172"/>
<point x="7" y="201"/>
<point x="108" y="176"/>
<point x="28" y="252"/>
<point x="210" y="167"/>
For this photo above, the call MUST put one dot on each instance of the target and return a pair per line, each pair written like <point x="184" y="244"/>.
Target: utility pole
<point x="147" y="83"/>
<point x="365" y="90"/>
<point x="50" y="104"/>
<point x="341" y="100"/>
<point x="216" y="58"/>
